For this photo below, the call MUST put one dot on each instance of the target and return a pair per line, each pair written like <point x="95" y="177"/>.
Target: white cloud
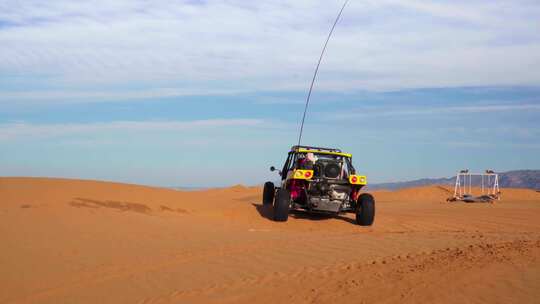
<point x="23" y="130"/>
<point x="93" y="95"/>
<point x="370" y="112"/>
<point x="74" y="48"/>
<point x="482" y="144"/>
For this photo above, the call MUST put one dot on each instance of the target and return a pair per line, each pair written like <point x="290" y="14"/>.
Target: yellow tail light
<point x="358" y="179"/>
<point x="302" y="174"/>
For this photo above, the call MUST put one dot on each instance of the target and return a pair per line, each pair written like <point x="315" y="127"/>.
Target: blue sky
<point x="210" y="93"/>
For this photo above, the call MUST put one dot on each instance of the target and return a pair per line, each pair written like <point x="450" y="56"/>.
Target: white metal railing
<point x="488" y="182"/>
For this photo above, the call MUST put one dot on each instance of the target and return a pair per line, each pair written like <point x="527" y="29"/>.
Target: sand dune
<point x="74" y="241"/>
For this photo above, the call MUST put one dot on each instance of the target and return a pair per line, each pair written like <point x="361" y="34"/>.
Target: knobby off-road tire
<point x="268" y="193"/>
<point x="281" y="205"/>
<point x="365" y="210"/>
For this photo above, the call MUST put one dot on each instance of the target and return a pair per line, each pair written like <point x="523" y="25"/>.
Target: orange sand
<point x="72" y="241"/>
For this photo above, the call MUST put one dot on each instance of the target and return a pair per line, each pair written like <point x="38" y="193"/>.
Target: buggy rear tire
<point x="269" y="192"/>
<point x="365" y="210"/>
<point x="281" y="205"/>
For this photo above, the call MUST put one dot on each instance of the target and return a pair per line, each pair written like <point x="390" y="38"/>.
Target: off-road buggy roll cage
<point x="297" y="151"/>
<point x="321" y="180"/>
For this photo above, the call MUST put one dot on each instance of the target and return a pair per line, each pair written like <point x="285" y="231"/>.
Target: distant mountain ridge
<point x="510" y="179"/>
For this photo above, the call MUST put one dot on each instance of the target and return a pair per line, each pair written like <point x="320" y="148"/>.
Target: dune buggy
<point x="321" y="180"/>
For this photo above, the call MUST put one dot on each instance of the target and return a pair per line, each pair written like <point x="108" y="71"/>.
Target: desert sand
<point x="74" y="241"/>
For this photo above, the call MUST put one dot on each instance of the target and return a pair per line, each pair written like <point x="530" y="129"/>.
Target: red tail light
<point x="307" y="174"/>
<point x="354" y="179"/>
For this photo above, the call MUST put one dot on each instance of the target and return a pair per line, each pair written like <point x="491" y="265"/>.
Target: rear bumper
<point x="324" y="206"/>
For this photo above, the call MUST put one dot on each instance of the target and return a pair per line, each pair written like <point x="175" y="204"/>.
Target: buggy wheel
<point x="365" y="210"/>
<point x="268" y="193"/>
<point x="281" y="205"/>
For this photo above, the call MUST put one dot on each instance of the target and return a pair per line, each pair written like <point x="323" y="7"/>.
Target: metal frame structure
<point x="298" y="147"/>
<point x="489" y="185"/>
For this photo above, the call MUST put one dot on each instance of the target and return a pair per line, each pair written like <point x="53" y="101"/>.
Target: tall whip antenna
<point x="317" y="70"/>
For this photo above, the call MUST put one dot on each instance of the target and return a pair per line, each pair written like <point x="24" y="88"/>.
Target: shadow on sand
<point x="267" y="211"/>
